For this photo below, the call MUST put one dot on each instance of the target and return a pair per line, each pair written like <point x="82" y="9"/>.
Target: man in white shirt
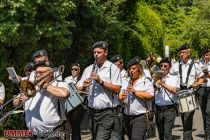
<point x="192" y="79"/>
<point x="166" y="100"/>
<point x="102" y="81"/>
<point x="204" y="98"/>
<point x="44" y="113"/>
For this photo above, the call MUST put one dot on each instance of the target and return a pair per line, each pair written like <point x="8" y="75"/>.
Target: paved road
<point x="178" y="130"/>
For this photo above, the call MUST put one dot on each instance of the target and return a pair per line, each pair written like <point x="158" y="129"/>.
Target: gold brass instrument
<point x="152" y="59"/>
<point x="29" y="89"/>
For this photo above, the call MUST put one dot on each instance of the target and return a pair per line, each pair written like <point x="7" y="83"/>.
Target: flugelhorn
<point x="29" y="89"/>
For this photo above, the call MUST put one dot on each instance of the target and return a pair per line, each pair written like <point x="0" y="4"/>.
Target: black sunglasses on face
<point x="165" y="66"/>
<point x="74" y="69"/>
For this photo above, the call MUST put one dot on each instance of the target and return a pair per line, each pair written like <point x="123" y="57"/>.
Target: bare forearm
<point x="59" y="92"/>
<point x="143" y="95"/>
<point x="171" y="89"/>
<point x="111" y="87"/>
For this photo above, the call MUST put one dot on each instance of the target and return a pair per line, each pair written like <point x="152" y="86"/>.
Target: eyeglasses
<point x="41" y="72"/>
<point x="74" y="69"/>
<point x="165" y="66"/>
<point x="184" y="52"/>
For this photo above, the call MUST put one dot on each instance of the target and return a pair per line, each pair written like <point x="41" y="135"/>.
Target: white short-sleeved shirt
<point x="202" y="64"/>
<point x="194" y="74"/>
<point x="100" y="97"/>
<point x="41" y="111"/>
<point x="2" y="91"/>
<point x="147" y="73"/>
<point x="162" y="98"/>
<point x="124" y="77"/>
<point x="71" y="79"/>
<point x="135" y="106"/>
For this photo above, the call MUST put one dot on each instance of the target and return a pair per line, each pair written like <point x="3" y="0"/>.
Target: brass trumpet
<point x="29" y="89"/>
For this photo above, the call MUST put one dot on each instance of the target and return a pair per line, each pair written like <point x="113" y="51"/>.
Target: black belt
<point x="162" y="108"/>
<point x="101" y="110"/>
<point x="134" y="116"/>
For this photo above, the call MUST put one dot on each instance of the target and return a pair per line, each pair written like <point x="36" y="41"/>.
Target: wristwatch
<point x="101" y="82"/>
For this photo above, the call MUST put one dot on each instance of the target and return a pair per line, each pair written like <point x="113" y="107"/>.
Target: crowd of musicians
<point x="120" y="102"/>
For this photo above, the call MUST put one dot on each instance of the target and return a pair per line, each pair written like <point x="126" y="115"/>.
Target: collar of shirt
<point x="141" y="79"/>
<point x="188" y="62"/>
<point x="106" y="64"/>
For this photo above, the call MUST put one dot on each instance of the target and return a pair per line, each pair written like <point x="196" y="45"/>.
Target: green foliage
<point x="35" y="22"/>
<point x="68" y="28"/>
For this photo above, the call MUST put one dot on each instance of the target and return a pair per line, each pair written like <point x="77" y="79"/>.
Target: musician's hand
<point x="95" y="77"/>
<point x="195" y="85"/>
<point x="159" y="82"/>
<point x="122" y="96"/>
<point x="86" y="83"/>
<point x="23" y="97"/>
<point x="130" y="89"/>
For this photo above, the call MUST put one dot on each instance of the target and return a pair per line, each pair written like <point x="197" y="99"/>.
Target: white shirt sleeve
<point x="2" y="91"/>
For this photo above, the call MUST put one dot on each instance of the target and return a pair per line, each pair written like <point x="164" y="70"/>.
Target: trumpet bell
<point x="28" y="88"/>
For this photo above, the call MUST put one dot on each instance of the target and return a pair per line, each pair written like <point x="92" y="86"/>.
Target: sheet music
<point x="13" y="75"/>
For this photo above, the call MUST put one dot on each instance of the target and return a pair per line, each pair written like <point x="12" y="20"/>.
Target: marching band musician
<point x="191" y="77"/>
<point x="44" y="113"/>
<point x="76" y="116"/>
<point x="2" y="93"/>
<point x="136" y="94"/>
<point x="29" y="67"/>
<point x="102" y="80"/>
<point x="204" y="98"/>
<point x="118" y="60"/>
<point x="166" y="100"/>
<point x="38" y="56"/>
<point x="119" y="124"/>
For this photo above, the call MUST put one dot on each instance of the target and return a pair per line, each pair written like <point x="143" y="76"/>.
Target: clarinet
<point x="130" y="83"/>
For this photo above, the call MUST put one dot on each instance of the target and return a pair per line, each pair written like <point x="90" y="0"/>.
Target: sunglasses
<point x="165" y="66"/>
<point x="74" y="69"/>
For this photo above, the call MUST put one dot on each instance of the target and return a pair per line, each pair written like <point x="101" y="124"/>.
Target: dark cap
<point x="134" y="61"/>
<point x="184" y="47"/>
<point x="165" y="60"/>
<point x="116" y="58"/>
<point x="29" y="67"/>
<point x="205" y="50"/>
<point x="75" y="64"/>
<point x="40" y="53"/>
<point x="100" y="44"/>
<point x="44" y="64"/>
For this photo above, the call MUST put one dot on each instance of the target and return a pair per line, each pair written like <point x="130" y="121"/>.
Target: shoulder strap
<point x="169" y="96"/>
<point x="188" y="72"/>
<point x="59" y="107"/>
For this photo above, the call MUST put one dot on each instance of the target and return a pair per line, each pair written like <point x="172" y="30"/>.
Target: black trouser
<point x="204" y="100"/>
<point x="136" y="126"/>
<point x="102" y="123"/>
<point x="165" y="117"/>
<point x="75" y="118"/>
<point x="187" y="122"/>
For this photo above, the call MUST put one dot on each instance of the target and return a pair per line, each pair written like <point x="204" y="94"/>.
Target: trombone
<point x="29" y="89"/>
